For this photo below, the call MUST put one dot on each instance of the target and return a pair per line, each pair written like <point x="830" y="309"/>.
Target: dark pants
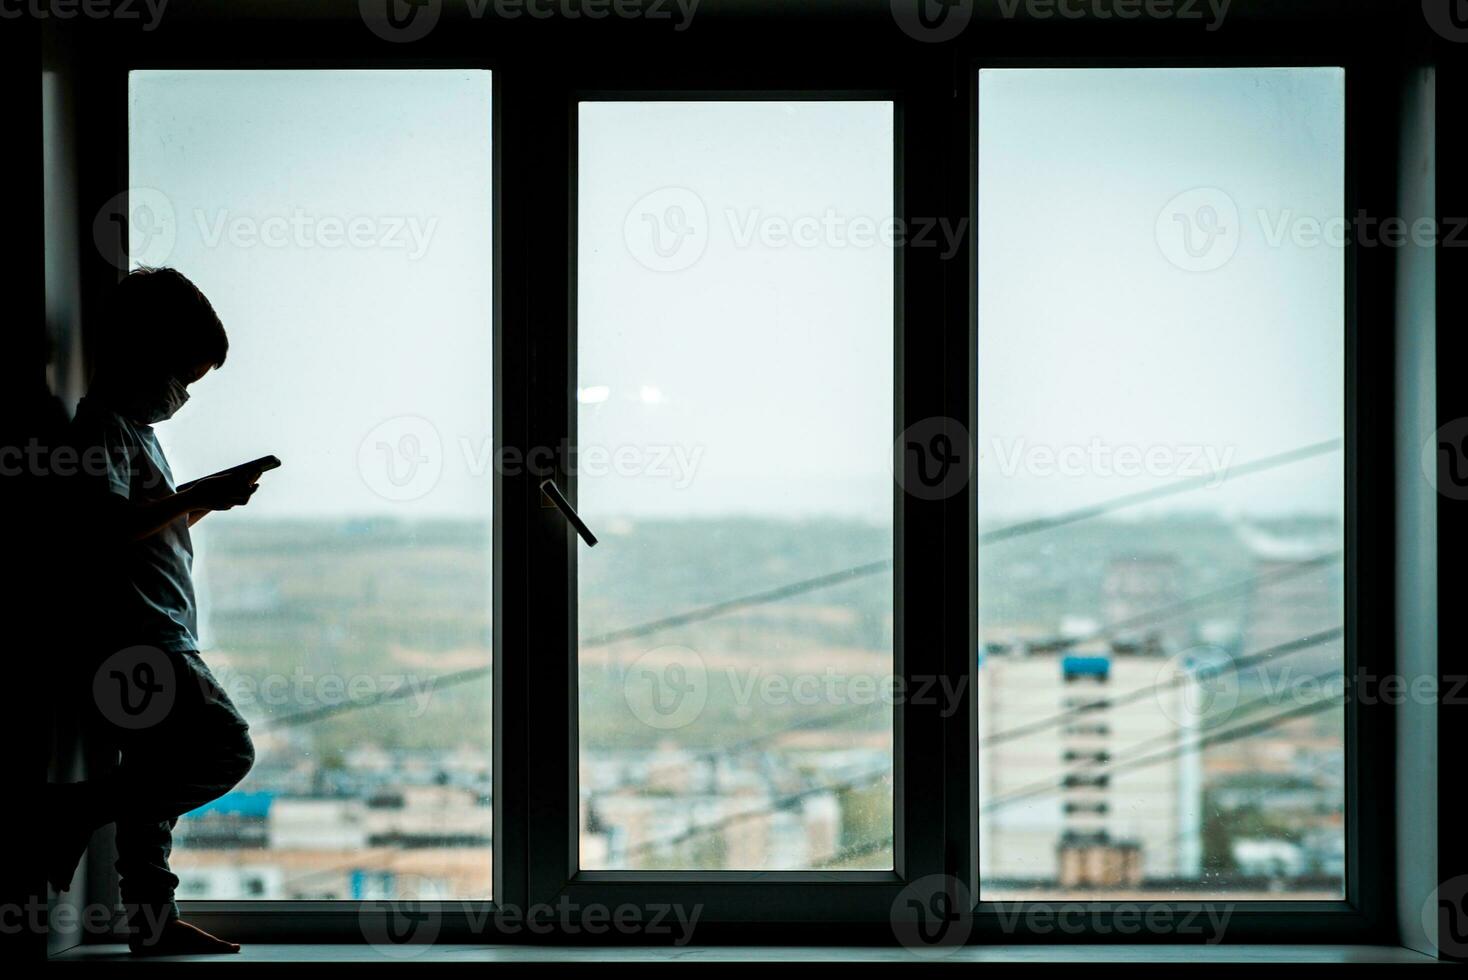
<point x="193" y="752"/>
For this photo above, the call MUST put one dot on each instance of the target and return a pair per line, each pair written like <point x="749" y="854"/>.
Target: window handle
<point x="549" y="488"/>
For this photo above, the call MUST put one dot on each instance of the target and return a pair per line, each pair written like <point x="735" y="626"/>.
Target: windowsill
<point x="1169" y="956"/>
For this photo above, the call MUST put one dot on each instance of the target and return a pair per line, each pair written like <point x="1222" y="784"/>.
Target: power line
<point x="1269" y="653"/>
<point x="1226" y="735"/>
<point x="986" y="537"/>
<point x="1125" y="763"/>
<point x="1236" y="732"/>
<point x="311" y="715"/>
<point x="1230" y="591"/>
<point x="1255" y="792"/>
<point x="761" y="598"/>
<point x="698" y="830"/>
<point x="1279" y="650"/>
<point x="819" y="721"/>
<point x="853" y="573"/>
<point x="1136" y="694"/>
<point x="1146" y="496"/>
<point x="1230" y="734"/>
<point x="868" y="569"/>
<point x="1105" y="769"/>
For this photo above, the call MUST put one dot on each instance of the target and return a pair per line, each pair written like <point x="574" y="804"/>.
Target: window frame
<point x="732" y="901"/>
<point x="934" y="99"/>
<point x="345" y="920"/>
<point x="1364" y="910"/>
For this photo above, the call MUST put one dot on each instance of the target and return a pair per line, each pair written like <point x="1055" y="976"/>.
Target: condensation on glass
<point x="1161" y="321"/>
<point x="340" y="223"/>
<point x="735" y="426"/>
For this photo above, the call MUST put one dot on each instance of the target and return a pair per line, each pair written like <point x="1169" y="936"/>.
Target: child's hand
<point x="222" y="491"/>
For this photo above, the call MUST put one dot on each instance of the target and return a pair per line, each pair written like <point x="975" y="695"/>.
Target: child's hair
<point x="161" y="320"/>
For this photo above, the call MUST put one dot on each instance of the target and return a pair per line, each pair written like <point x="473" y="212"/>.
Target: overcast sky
<point x="330" y="338"/>
<point x="1097" y="324"/>
<point x="735" y="288"/>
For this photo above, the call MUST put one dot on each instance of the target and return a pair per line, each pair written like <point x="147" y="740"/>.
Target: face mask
<point x="155" y="407"/>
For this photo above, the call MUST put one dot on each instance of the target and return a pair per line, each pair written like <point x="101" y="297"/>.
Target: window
<point x="1106" y="668"/>
<point x="340" y="223"/>
<point x="734" y="389"/>
<point x="1161" y="342"/>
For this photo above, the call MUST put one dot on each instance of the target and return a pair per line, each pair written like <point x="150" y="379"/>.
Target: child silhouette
<point x="180" y="742"/>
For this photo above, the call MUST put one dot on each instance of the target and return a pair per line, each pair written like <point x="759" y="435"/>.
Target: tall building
<point x="1054" y="807"/>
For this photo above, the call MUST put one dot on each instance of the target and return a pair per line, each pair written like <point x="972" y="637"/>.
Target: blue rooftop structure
<point x="239" y="804"/>
<point x="1076" y="665"/>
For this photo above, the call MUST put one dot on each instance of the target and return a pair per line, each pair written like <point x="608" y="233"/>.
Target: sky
<point x="735" y="289"/>
<point x="770" y="351"/>
<point x="339" y="342"/>
<point x="1097" y="326"/>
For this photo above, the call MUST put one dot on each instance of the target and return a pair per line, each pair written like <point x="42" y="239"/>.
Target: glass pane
<point x="1161" y="677"/>
<point x="735" y="292"/>
<point x="340" y="223"/>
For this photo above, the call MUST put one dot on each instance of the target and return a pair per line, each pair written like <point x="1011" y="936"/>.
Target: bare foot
<point x="179" y="937"/>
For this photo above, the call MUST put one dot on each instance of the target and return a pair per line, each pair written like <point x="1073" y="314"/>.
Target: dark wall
<point x="23" y="408"/>
<point x="63" y="371"/>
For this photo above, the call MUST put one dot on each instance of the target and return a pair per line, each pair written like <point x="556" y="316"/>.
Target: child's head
<point x="162" y="330"/>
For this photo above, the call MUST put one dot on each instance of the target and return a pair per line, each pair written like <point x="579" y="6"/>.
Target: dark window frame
<point x="1366" y="909"/>
<point x="733" y="901"/>
<point x="935" y="99"/>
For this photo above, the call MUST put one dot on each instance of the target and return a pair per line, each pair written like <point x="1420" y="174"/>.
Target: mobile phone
<point x="262" y="464"/>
